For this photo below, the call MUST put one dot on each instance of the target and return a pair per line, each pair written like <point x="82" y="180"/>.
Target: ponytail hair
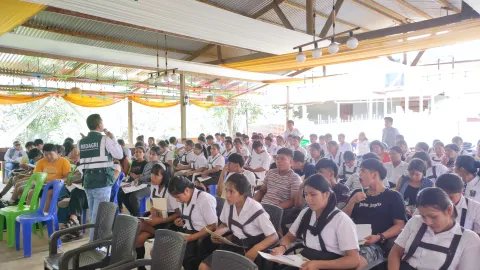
<point x="468" y="163"/>
<point x="179" y="184"/>
<point x="320" y="183"/>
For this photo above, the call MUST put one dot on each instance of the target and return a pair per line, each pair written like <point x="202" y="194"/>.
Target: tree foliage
<point x="245" y="109"/>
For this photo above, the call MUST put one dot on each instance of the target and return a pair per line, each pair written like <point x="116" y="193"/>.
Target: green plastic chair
<point x="304" y="142"/>
<point x="11" y="212"/>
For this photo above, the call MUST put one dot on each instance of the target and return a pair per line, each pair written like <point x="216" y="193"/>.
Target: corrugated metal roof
<point x="96" y="43"/>
<point x="244" y="7"/>
<point x="400" y="9"/>
<point x="72" y="23"/>
<point x="432" y="8"/>
<point x="456" y="3"/>
<point x="228" y="52"/>
<point x="363" y="17"/>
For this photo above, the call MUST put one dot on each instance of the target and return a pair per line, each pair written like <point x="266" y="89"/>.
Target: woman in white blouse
<point x="396" y="167"/>
<point x="433" y="240"/>
<point x="363" y="145"/>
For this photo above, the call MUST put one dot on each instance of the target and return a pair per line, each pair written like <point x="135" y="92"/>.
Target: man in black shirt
<point x="378" y="206"/>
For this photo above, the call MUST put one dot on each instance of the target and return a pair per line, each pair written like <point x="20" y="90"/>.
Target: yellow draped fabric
<point x="205" y="104"/>
<point x="18" y="99"/>
<point x="89" y="101"/>
<point x="154" y="104"/>
<point x="459" y="32"/>
<point x="15" y="12"/>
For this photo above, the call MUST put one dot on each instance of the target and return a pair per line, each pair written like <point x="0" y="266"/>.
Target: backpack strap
<point x="321" y="226"/>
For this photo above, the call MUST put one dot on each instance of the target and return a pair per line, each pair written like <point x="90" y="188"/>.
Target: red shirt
<point x="385" y="158"/>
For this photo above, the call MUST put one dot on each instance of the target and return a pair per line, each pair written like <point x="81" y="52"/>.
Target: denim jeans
<point x="9" y="167"/>
<point x="95" y="197"/>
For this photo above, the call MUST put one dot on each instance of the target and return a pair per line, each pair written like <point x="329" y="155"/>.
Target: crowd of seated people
<point x="422" y="205"/>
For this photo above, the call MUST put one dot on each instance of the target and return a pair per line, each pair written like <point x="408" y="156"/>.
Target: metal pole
<point x="183" y="107"/>
<point x="287" y="107"/>
<point x="130" y="122"/>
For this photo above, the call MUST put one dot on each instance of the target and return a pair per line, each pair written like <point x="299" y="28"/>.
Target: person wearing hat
<point x="12" y="157"/>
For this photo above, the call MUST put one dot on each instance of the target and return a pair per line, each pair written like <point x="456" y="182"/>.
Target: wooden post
<point x="130" y="123"/>
<point x="309" y="18"/>
<point x="183" y="107"/>
<point x="230" y="121"/>
<point x="287" y="107"/>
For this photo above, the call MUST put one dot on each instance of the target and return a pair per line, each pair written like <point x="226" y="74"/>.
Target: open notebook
<point x="363" y="230"/>
<point x="292" y="260"/>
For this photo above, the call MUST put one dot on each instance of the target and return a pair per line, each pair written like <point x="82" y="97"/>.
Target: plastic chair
<point x="116" y="187"/>
<point x="107" y="212"/>
<point x="169" y="249"/>
<point x="223" y="259"/>
<point x="220" y="203"/>
<point x="12" y="212"/>
<point x="143" y="204"/>
<point x="121" y="248"/>
<point x="27" y="220"/>
<point x="275" y="213"/>
<point x="213" y="189"/>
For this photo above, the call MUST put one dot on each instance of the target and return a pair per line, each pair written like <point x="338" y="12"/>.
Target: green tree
<point x="245" y="109"/>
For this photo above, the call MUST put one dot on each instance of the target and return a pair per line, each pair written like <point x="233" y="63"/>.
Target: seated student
<point x="201" y="140"/>
<point x="271" y="148"/>
<point x="71" y="151"/>
<point x="409" y="185"/>
<point x="210" y="142"/>
<point x="280" y="187"/>
<point x="477" y="151"/>
<point x="246" y="142"/>
<point x="215" y="164"/>
<point x="363" y="145"/>
<point x="246" y="219"/>
<point x="451" y="153"/>
<point x="396" y="167"/>
<point x="379" y="148"/>
<point x="126" y="151"/>
<point x="433" y="240"/>
<point x="240" y="149"/>
<point x="229" y="149"/>
<point x="186" y="159"/>
<point x="301" y="167"/>
<point x="329" y="170"/>
<point x="334" y="153"/>
<point x="468" y="211"/>
<point x="438" y="153"/>
<point x="313" y="139"/>
<point x="316" y="153"/>
<point x="328" y="235"/>
<point x="16" y="179"/>
<point x="199" y="163"/>
<point x="353" y="181"/>
<point x="467" y="168"/>
<point x="55" y="166"/>
<point x="323" y="144"/>
<point x="132" y="200"/>
<point x="433" y="171"/>
<point x="258" y="163"/>
<point x="280" y="142"/>
<point x="160" y="176"/>
<point x="404" y="146"/>
<point x="38" y="144"/>
<point x="419" y="147"/>
<point x="198" y="210"/>
<point x="382" y="208"/>
<point x="166" y="155"/>
<point x="138" y="164"/>
<point x="235" y="165"/>
<point x="342" y="145"/>
<point x="459" y="142"/>
<point x="295" y="145"/>
<point x="348" y="167"/>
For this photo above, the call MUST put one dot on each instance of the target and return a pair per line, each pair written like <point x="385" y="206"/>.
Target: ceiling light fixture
<point x="352" y="42"/>
<point x="158" y="77"/>
<point x="301" y="56"/>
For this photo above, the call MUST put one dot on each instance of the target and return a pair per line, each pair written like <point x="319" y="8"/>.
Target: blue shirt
<point x="308" y="170"/>
<point x="389" y="135"/>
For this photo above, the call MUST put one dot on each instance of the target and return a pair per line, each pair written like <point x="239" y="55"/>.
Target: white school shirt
<point x="300" y="149"/>
<point x="339" y="235"/>
<point x="294" y="132"/>
<point x="472" y="219"/>
<point x="439" y="170"/>
<point x="272" y="149"/>
<point x="248" y="174"/>
<point x="394" y="173"/>
<point x="226" y="153"/>
<point x="261" y="225"/>
<point x="466" y="256"/>
<point x="261" y="160"/>
<point x="203" y="214"/>
<point x="464" y="152"/>
<point x="338" y="158"/>
<point x="349" y="170"/>
<point x="249" y="146"/>
<point x="363" y="147"/>
<point x="188" y="157"/>
<point x="172" y="203"/>
<point x="166" y="156"/>
<point x="325" y="149"/>
<point x="473" y="189"/>
<point x="353" y="182"/>
<point x="435" y="159"/>
<point x="199" y="162"/>
<point x="344" y="147"/>
<point x="215" y="161"/>
<point x="243" y="152"/>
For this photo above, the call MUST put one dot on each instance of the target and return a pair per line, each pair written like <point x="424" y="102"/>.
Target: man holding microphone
<point x="96" y="164"/>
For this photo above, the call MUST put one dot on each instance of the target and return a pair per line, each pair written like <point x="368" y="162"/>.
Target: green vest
<point x="95" y="162"/>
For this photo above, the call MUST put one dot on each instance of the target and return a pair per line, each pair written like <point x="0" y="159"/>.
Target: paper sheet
<point x="363" y="230"/>
<point x="201" y="179"/>
<point x="160" y="204"/>
<point x="74" y="186"/>
<point x="144" y="218"/>
<point x="222" y="239"/>
<point x="291" y="260"/>
<point x="129" y="189"/>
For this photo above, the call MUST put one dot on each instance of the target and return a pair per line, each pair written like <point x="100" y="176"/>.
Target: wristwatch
<point x="382" y="238"/>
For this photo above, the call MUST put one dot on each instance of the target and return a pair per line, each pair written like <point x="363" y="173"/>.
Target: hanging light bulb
<point x="158" y="80"/>
<point x="333" y="47"/>
<point x="301" y="56"/>
<point x="352" y="42"/>
<point x="151" y="80"/>
<point x="174" y="76"/>
<point x="165" y="77"/>
<point x="317" y="52"/>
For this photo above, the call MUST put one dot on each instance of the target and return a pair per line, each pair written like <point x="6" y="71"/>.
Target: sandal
<point x="71" y="237"/>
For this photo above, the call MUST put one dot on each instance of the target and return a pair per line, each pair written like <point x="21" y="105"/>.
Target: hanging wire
<point x="166" y="55"/>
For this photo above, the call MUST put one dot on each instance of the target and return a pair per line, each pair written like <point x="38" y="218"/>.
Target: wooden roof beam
<point x="388" y="13"/>
<point x="196" y="54"/>
<point x="76" y="68"/>
<point x="282" y="16"/>
<point x="417" y="58"/>
<point x="414" y="9"/>
<point x="447" y="4"/>
<point x="267" y="8"/>
<point x="330" y="19"/>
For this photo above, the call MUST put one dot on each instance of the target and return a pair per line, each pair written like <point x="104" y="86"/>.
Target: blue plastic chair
<point x="27" y="220"/>
<point x="143" y="204"/>
<point x="213" y="189"/>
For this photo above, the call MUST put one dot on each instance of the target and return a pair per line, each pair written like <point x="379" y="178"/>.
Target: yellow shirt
<point x="55" y="170"/>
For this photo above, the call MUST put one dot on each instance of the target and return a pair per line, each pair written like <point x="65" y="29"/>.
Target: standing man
<point x="291" y="130"/>
<point x="96" y="164"/>
<point x="12" y="157"/>
<point x="389" y="133"/>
